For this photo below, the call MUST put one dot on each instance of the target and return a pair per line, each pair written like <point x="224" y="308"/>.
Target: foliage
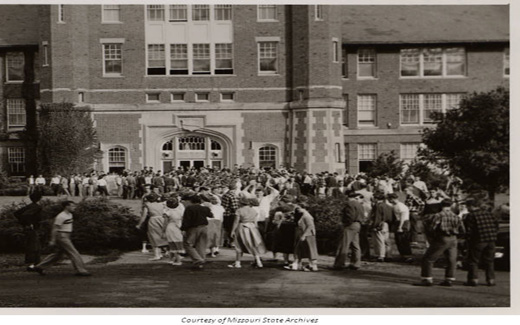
<point x="472" y="142"/>
<point x="4" y="179"/>
<point x="100" y="226"/>
<point x="387" y="164"/>
<point x="327" y="219"/>
<point x="67" y="141"/>
<point x="428" y="174"/>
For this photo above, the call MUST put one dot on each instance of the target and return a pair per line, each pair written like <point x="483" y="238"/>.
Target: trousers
<point x="481" y="252"/>
<point x="380" y="240"/>
<point x="349" y="240"/>
<point x="64" y="246"/>
<point x="402" y="241"/>
<point x="446" y="245"/>
<point x="195" y="243"/>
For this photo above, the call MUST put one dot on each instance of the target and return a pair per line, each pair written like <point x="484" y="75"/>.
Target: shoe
<point x="408" y="260"/>
<point x="314" y="268"/>
<point x="471" y="283"/>
<point x="174" y="263"/>
<point x="213" y="255"/>
<point x="30" y="269"/>
<point x="446" y="283"/>
<point x="380" y="259"/>
<point x="144" y="251"/>
<point x="491" y="283"/>
<point x="83" y="274"/>
<point x="216" y="253"/>
<point x="235" y="266"/>
<point x="157" y="258"/>
<point x="198" y="267"/>
<point x="424" y="283"/>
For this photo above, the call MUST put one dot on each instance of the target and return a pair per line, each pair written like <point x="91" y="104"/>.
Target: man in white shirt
<point x="420" y="185"/>
<point x="55" y="184"/>
<point x="60" y="237"/>
<point x="31" y="185"/>
<point x="402" y="227"/>
<point x="264" y="206"/>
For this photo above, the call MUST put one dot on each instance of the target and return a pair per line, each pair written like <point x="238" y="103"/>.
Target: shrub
<point x="327" y="219"/>
<point x="99" y="226"/>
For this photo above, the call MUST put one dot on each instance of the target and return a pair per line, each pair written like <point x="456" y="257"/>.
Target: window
<point x="335" y="49"/>
<point x="223" y="12"/>
<point x="111" y="14"/>
<point x="409" y="151"/>
<point x="223" y="58"/>
<point x="168" y="146"/>
<point x="227" y="97"/>
<point x="366" y="155"/>
<point x="116" y="160"/>
<point x="81" y="97"/>
<point x="202" y="97"/>
<point x="192" y="143"/>
<point x="367" y="63"/>
<point x="267" y="157"/>
<point x="60" y="13"/>
<point x="177" y="97"/>
<point x="268" y="52"/>
<point x="156" y="59"/>
<point x="201" y="59"/>
<point x="215" y="145"/>
<point x="433" y="62"/>
<point x="318" y="11"/>
<point x="344" y="63"/>
<point x="178" y="13"/>
<point x="113" y="61"/>
<point x="178" y="59"/>
<point x="153" y="98"/>
<point x="366" y="110"/>
<point x="16" y="114"/>
<point x="155" y="12"/>
<point x="337" y="152"/>
<point x="200" y="12"/>
<point x="267" y="12"/>
<point x="506" y="61"/>
<point x="45" y="55"/>
<point x="15" y="63"/>
<point x="418" y="108"/>
<point x="16" y="159"/>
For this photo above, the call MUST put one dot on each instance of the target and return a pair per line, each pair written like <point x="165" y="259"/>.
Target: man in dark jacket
<point x="381" y="217"/>
<point x="30" y="218"/>
<point x="352" y="215"/>
<point x="195" y="224"/>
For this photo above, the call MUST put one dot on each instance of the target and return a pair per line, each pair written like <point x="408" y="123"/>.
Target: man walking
<point x="401" y="227"/>
<point x="352" y="215"/>
<point x="195" y="224"/>
<point x="30" y="218"/>
<point x="60" y="238"/>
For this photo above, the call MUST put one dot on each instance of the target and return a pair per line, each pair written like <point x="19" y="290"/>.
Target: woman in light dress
<point x="246" y="236"/>
<point x="173" y="212"/>
<point x="155" y="210"/>
<point x="215" y="225"/>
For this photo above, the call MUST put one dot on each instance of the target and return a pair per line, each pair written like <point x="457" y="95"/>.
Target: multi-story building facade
<point x="319" y="88"/>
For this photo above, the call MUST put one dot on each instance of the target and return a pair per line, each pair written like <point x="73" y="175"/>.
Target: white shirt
<point x="55" y="180"/>
<point x="401" y="211"/>
<point x="31" y="180"/>
<point x="64" y="221"/>
<point x="85" y="181"/>
<point x="265" y="205"/>
<point x="218" y="211"/>
<point x="102" y="182"/>
<point x="40" y="181"/>
<point x="421" y="185"/>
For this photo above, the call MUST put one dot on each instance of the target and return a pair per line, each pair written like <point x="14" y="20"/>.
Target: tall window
<point x="223" y="58"/>
<point x="223" y="12"/>
<point x="335" y="49"/>
<point x="156" y="59"/>
<point x="16" y="159"/>
<point x="16" y="114"/>
<point x="453" y="101"/>
<point x="409" y="151"/>
<point x="155" y="12"/>
<point x="168" y="146"/>
<point x="200" y="12"/>
<point x="112" y="58"/>
<point x="178" y="13"/>
<point x="418" y="108"/>
<point x="318" y="12"/>
<point x="60" y="13"/>
<point x="201" y="59"/>
<point x="45" y="54"/>
<point x="410" y="109"/>
<point x="116" y="159"/>
<point x="344" y="63"/>
<point x="192" y="143"/>
<point x="267" y="157"/>
<point x="267" y="12"/>
<point x="215" y="145"/>
<point x="506" y="61"/>
<point x="366" y="110"/>
<point x="14" y="62"/>
<point x="367" y="63"/>
<point x="178" y="59"/>
<point x="111" y="14"/>
<point x="432" y="104"/>
<point x="433" y="62"/>
<point x="367" y="153"/>
<point x="268" y="57"/>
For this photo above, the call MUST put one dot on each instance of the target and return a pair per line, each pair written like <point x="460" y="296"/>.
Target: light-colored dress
<point x="248" y="238"/>
<point x="215" y="225"/>
<point x="155" y="224"/>
<point x="173" y="218"/>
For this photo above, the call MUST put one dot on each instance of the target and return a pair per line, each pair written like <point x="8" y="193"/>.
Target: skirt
<point x="174" y="235"/>
<point x="307" y="248"/>
<point x="214" y="231"/>
<point x="284" y="238"/>
<point x="249" y="240"/>
<point x="155" y="232"/>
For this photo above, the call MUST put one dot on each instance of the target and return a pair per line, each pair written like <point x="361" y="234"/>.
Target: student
<point x="30" y="218"/>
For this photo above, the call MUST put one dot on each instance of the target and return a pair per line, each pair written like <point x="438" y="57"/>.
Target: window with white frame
<point x="155" y="12"/>
<point x="60" y="13"/>
<point x="366" y="105"/>
<point x="201" y="59"/>
<point x="178" y="97"/>
<point x="112" y="59"/>
<point x="156" y="59"/>
<point x="16" y="159"/>
<point x="366" y="63"/>
<point x="318" y="12"/>
<point x="344" y="63"/>
<point x="267" y="12"/>
<point x="14" y="66"/>
<point x="367" y="153"/>
<point x="111" y="14"/>
<point x="153" y="98"/>
<point x="267" y="157"/>
<point x="409" y="151"/>
<point x="506" y="61"/>
<point x="433" y="62"/>
<point x="16" y="113"/>
<point x="223" y="12"/>
<point x="335" y="49"/>
<point x="417" y="109"/>
<point x="192" y="143"/>
<point x="200" y="12"/>
<point x="224" y="58"/>
<point x="116" y="159"/>
<point x="178" y="59"/>
<point x="268" y="57"/>
<point x="178" y="13"/>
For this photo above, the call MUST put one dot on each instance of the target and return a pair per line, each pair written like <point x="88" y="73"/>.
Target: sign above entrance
<point x="191" y="123"/>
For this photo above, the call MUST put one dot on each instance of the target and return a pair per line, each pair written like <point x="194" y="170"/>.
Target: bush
<point x="327" y="218"/>
<point x="99" y="226"/>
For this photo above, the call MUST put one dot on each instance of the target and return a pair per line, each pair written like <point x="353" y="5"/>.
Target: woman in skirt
<point x="284" y="235"/>
<point x="154" y="209"/>
<point x="246" y="236"/>
<point x="305" y="240"/>
<point x="172" y="229"/>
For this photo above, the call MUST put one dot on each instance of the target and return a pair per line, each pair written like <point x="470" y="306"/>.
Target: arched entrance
<point x="196" y="150"/>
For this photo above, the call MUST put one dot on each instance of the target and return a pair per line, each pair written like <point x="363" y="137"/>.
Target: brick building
<point x="315" y="87"/>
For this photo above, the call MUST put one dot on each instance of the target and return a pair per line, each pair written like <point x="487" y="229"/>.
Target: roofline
<point x="423" y="42"/>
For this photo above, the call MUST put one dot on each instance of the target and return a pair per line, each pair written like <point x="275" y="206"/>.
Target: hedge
<point x="327" y="219"/>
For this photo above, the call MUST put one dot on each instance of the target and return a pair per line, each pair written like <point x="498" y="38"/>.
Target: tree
<point x="386" y="164"/>
<point x="472" y="142"/>
<point x="67" y="141"/>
